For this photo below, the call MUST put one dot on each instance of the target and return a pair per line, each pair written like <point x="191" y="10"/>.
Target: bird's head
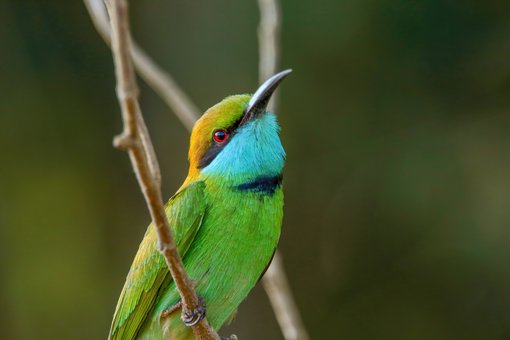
<point x="238" y="139"/>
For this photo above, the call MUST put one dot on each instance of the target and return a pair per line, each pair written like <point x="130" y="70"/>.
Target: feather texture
<point x="185" y="212"/>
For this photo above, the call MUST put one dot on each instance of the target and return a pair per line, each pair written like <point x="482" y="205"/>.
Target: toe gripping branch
<point x="191" y="318"/>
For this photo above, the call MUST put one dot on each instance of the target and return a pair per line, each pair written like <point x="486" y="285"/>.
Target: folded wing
<point x="149" y="272"/>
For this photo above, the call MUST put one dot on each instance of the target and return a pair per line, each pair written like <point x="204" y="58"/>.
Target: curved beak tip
<point x="258" y="102"/>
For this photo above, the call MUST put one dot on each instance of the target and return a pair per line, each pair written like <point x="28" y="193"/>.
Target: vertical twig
<point x="275" y="281"/>
<point x="136" y="141"/>
<point x="278" y="290"/>
<point x="269" y="32"/>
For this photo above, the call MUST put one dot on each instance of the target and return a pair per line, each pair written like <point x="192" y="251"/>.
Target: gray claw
<point x="191" y="318"/>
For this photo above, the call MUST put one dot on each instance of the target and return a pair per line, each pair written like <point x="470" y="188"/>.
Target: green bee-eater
<point x="225" y="218"/>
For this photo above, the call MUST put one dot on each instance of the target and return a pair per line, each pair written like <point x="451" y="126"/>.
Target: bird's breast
<point x="236" y="242"/>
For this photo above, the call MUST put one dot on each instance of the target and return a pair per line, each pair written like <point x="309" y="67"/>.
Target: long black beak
<point x="260" y="99"/>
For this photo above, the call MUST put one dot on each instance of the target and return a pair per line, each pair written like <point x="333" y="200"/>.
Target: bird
<point x="225" y="219"/>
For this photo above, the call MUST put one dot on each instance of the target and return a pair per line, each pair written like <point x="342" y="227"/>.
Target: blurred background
<point x="396" y="123"/>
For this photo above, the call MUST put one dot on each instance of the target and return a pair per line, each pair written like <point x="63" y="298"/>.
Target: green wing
<point x="185" y="211"/>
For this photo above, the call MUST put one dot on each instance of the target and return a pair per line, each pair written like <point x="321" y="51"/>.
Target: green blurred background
<point x="396" y="123"/>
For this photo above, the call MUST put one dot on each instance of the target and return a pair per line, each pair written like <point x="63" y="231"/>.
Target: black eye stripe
<point x="210" y="154"/>
<point x="216" y="147"/>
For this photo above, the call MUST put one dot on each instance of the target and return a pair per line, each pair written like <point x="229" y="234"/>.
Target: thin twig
<point x="278" y="290"/>
<point x="136" y="141"/>
<point x="275" y="281"/>
<point x="159" y="80"/>
<point x="268" y="32"/>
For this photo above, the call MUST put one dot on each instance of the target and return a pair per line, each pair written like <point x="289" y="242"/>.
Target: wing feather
<point x="148" y="273"/>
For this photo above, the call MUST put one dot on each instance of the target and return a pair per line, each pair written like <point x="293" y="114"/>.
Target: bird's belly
<point x="233" y="247"/>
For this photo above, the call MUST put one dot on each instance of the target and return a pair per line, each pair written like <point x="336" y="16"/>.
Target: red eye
<point x="220" y="136"/>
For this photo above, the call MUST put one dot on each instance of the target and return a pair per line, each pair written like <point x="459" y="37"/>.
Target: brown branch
<point x="136" y="141"/>
<point x="275" y="281"/>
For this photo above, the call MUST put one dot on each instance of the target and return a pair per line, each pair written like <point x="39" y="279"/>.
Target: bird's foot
<point x="232" y="337"/>
<point x="191" y="318"/>
<point x="169" y="311"/>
